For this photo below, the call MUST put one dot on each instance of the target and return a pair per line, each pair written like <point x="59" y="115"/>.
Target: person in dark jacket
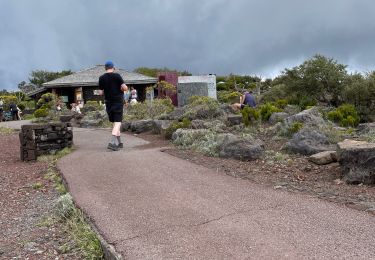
<point x="14" y="110"/>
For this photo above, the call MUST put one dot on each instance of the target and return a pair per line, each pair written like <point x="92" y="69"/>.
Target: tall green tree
<point x="153" y="72"/>
<point x="38" y="77"/>
<point x="320" y="78"/>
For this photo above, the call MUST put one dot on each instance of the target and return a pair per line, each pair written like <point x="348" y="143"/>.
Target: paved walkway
<point x="151" y="205"/>
<point x="15" y="124"/>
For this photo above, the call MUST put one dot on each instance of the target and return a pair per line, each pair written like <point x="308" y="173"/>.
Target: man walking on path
<point x="112" y="86"/>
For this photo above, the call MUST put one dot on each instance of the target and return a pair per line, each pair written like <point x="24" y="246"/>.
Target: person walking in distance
<point x="112" y="86"/>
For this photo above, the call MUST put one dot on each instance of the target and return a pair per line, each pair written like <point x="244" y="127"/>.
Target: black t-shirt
<point x="13" y="107"/>
<point x="111" y="83"/>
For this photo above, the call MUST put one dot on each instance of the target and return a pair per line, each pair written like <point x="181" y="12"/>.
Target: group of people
<point x="15" y="111"/>
<point x="130" y="97"/>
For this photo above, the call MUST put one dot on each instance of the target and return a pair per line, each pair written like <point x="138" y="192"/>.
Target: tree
<point x="320" y="78"/>
<point x="153" y="72"/>
<point x="38" y="77"/>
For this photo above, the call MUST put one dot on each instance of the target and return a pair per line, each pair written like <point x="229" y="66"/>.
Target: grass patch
<point x="81" y="238"/>
<point x="85" y="239"/>
<point x="37" y="186"/>
<point x="369" y="136"/>
<point x="6" y="130"/>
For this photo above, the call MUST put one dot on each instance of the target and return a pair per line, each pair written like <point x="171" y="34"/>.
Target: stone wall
<point x="36" y="140"/>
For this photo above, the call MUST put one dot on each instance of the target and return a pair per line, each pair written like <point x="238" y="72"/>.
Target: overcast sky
<point x="254" y="37"/>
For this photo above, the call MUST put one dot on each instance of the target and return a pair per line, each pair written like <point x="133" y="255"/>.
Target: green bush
<point x="295" y="127"/>
<point x="91" y="106"/>
<point x="266" y="110"/>
<point x="281" y="103"/>
<point x="228" y="97"/>
<point x="249" y="114"/>
<point x="150" y="110"/>
<point x="46" y="101"/>
<point x="275" y="93"/>
<point x="202" y="140"/>
<point x="177" y="125"/>
<point x="41" y="112"/>
<point x="346" y="115"/>
<point x="202" y="107"/>
<point x="21" y="106"/>
<point x="7" y="100"/>
<point x="201" y="100"/>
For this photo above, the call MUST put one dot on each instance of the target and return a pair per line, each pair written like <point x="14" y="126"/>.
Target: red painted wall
<point x="172" y="78"/>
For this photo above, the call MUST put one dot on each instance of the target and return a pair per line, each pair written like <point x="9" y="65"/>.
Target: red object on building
<point x="172" y="78"/>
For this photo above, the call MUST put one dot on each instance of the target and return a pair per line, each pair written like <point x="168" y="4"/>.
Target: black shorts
<point x="114" y="111"/>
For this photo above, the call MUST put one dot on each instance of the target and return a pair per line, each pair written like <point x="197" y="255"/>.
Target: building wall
<point x="189" y="86"/>
<point x="172" y="78"/>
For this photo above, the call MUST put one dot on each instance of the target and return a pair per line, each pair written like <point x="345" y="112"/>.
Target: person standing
<point x="14" y="110"/>
<point x="113" y="87"/>
<point x="1" y="110"/>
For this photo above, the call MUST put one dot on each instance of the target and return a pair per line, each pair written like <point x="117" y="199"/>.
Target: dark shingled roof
<point x="90" y="77"/>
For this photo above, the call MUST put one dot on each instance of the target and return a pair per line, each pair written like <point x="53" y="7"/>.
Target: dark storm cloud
<point x="202" y="36"/>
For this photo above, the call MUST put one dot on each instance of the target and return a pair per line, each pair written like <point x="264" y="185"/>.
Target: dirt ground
<point x="283" y="171"/>
<point x="26" y="202"/>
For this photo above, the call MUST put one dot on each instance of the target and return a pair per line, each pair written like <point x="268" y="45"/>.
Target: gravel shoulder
<point x="27" y="230"/>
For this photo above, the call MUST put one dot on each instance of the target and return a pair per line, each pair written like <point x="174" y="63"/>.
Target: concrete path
<point x="15" y="124"/>
<point x="151" y="205"/>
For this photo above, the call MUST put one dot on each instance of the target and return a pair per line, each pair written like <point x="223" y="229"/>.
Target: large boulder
<point x="93" y="119"/>
<point x="161" y="126"/>
<point x="323" y="158"/>
<point x="142" y="126"/>
<point x="292" y="109"/>
<point x="125" y="126"/>
<point x="310" y="117"/>
<point x="234" y="120"/>
<point x="308" y="142"/>
<point x="357" y="159"/>
<point x="66" y="118"/>
<point x="237" y="148"/>
<point x="366" y="128"/>
<point x="177" y="114"/>
<point x="277" y="117"/>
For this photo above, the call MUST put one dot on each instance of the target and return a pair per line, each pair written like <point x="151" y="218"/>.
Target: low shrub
<point x="295" y="127"/>
<point x="41" y="112"/>
<point x="249" y="114"/>
<point x="281" y="103"/>
<point x="150" y="109"/>
<point x="185" y="123"/>
<point x="21" y="106"/>
<point x="345" y="115"/>
<point x="47" y="100"/>
<point x="7" y="100"/>
<point x="266" y="110"/>
<point x="275" y="93"/>
<point x="202" y="140"/>
<point x="202" y="107"/>
<point x="228" y="97"/>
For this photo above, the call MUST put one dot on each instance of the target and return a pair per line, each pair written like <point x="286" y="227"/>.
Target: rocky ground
<point x="285" y="172"/>
<point x="27" y="229"/>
